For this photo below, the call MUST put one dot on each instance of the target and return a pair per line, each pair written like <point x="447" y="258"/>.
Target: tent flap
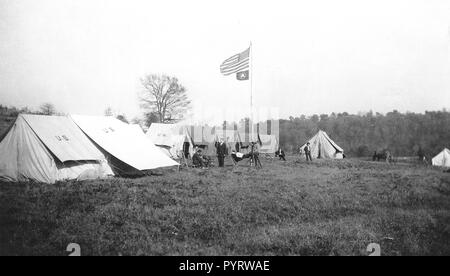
<point x="123" y="142"/>
<point x="31" y="155"/>
<point x="63" y="138"/>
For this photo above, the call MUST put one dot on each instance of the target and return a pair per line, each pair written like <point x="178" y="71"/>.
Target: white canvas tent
<point x="247" y="139"/>
<point x="201" y="137"/>
<point x="269" y="144"/>
<point x="442" y="159"/>
<point x="170" y="138"/>
<point x="238" y="141"/>
<point x="323" y="147"/>
<point x="49" y="149"/>
<point x="137" y="128"/>
<point x="161" y="134"/>
<point x="174" y="139"/>
<point x="177" y="142"/>
<point x="231" y="137"/>
<point x="124" y="143"/>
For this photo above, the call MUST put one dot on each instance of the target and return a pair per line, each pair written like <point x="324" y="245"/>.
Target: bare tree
<point x="47" y="109"/>
<point x="164" y="96"/>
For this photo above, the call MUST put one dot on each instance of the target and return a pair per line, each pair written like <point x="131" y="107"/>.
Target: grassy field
<point x="288" y="208"/>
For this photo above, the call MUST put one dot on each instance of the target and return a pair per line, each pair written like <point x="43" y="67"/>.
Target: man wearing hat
<point x="197" y="159"/>
<point x="307" y="151"/>
<point x="221" y="149"/>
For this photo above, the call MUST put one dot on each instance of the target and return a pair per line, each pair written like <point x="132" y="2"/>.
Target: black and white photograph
<point x="209" y="129"/>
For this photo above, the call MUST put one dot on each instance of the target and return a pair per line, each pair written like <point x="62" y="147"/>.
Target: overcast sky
<point x="308" y="56"/>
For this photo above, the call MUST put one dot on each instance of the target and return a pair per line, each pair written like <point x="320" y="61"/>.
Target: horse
<point x="383" y="155"/>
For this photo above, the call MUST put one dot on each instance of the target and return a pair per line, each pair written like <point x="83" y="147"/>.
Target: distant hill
<point x="404" y="134"/>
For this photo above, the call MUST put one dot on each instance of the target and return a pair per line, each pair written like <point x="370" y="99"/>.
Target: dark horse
<point x="384" y="155"/>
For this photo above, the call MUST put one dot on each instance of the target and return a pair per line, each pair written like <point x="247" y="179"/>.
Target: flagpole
<point x="251" y="90"/>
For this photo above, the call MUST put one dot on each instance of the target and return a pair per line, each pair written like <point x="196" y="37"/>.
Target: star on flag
<point x="243" y="75"/>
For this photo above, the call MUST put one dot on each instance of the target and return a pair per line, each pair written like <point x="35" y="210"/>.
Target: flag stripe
<point x="235" y="62"/>
<point x="243" y="68"/>
<point x="238" y="64"/>
<point x="235" y="69"/>
<point x="232" y="58"/>
<point x="230" y="65"/>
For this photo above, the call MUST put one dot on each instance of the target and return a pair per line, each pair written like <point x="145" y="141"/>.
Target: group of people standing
<point x="221" y="150"/>
<point x="199" y="160"/>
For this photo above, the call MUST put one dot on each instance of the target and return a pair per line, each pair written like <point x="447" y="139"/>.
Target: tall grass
<point x="288" y="208"/>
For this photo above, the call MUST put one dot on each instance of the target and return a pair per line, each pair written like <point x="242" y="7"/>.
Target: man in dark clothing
<point x="197" y="159"/>
<point x="281" y="154"/>
<point x="221" y="149"/>
<point x="307" y="151"/>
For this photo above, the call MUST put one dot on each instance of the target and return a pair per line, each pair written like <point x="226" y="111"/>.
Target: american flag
<point x="235" y="64"/>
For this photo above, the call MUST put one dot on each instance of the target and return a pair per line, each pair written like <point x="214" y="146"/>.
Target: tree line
<point x="164" y="99"/>
<point x="44" y="109"/>
<point x="403" y="134"/>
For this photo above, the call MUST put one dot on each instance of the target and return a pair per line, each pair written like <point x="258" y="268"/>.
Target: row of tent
<point x="173" y="139"/>
<point x="176" y="139"/>
<point x="323" y="147"/>
<point x="54" y="148"/>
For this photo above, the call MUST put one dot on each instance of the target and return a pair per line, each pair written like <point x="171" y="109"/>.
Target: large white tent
<point x="442" y="159"/>
<point x="174" y="139"/>
<point x="137" y="128"/>
<point x="230" y="137"/>
<point x="49" y="149"/>
<point x="201" y="137"/>
<point x="323" y="147"/>
<point x="170" y="139"/>
<point x="123" y="142"/>
<point x="161" y="134"/>
<point x="239" y="141"/>
<point x="269" y="143"/>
